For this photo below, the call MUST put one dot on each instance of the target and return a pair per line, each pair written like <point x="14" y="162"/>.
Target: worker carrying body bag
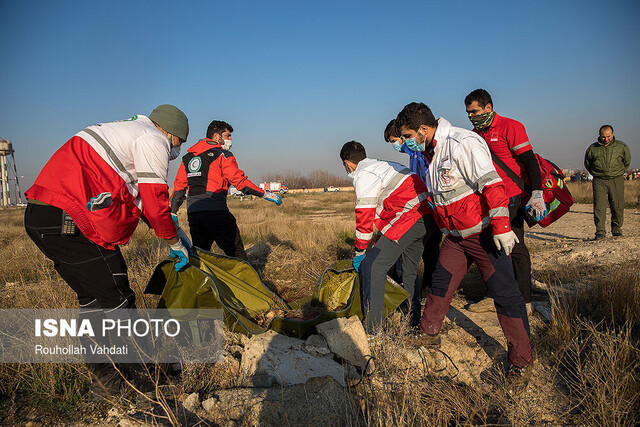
<point x="554" y="191"/>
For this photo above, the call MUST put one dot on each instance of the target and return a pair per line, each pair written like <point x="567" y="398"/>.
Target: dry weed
<point x="582" y="192"/>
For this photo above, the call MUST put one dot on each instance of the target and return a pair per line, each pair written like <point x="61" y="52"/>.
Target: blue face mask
<point x="412" y="144"/>
<point x="397" y="145"/>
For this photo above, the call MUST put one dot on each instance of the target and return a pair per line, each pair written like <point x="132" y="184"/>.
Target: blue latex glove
<point x="536" y="205"/>
<point x="181" y="234"/>
<point x="178" y="250"/>
<point x="357" y="260"/>
<point x="268" y="195"/>
<point x="101" y="201"/>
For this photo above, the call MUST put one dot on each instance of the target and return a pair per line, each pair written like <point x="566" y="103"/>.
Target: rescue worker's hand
<point x="181" y="234"/>
<point x="178" y="250"/>
<point x="268" y="195"/>
<point x="506" y="241"/>
<point x="101" y="201"/>
<point x="537" y="205"/>
<point x="357" y="260"/>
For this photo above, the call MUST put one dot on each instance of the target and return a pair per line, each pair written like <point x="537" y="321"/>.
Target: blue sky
<point x="298" y="79"/>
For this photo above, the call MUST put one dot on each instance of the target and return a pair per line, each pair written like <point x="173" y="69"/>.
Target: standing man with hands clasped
<point x="203" y="179"/>
<point x="471" y="210"/>
<point x="607" y="159"/>
<point x="513" y="156"/>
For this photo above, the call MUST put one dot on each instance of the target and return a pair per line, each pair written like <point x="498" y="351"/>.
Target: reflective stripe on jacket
<point x="129" y="160"/>
<point x="388" y="195"/>
<point x="467" y="192"/>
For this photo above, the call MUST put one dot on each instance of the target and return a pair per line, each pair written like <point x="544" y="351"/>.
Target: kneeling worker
<point x="394" y="199"/>
<point x="204" y="177"/>
<point x="471" y="209"/>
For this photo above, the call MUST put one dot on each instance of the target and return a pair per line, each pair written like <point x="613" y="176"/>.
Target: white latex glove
<point x="181" y="234"/>
<point x="506" y="241"/>
<point x="537" y="205"/>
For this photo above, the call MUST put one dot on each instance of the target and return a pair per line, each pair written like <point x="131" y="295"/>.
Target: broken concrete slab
<point x="284" y="359"/>
<point x="317" y="346"/>
<point x="347" y="339"/>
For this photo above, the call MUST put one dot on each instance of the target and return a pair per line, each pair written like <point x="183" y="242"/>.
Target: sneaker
<point x="483" y="306"/>
<point x="617" y="234"/>
<point x="599" y="237"/>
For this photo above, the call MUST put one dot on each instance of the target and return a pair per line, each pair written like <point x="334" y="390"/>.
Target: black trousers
<point x="97" y="275"/>
<point x="219" y="226"/>
<point x="520" y="257"/>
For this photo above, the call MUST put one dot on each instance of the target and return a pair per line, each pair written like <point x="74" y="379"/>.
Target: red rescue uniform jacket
<point x="204" y="177"/>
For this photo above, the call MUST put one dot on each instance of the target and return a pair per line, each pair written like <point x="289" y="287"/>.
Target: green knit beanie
<point x="171" y="119"/>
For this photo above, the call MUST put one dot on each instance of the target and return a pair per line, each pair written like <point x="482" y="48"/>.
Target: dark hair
<point x="218" y="126"/>
<point x="414" y="115"/>
<point x="480" y="95"/>
<point x="391" y="131"/>
<point x="353" y="151"/>
<point x="603" y="127"/>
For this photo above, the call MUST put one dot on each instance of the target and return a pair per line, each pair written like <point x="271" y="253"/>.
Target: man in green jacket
<point x="607" y="160"/>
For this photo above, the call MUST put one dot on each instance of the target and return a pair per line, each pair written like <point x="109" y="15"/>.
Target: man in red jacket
<point x="471" y="210"/>
<point x="508" y="142"/>
<point x="88" y="200"/>
<point x="203" y="179"/>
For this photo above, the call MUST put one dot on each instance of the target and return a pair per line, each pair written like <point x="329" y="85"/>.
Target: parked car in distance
<point x="331" y="189"/>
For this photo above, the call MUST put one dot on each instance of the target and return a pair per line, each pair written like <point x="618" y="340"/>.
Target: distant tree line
<point x="314" y="179"/>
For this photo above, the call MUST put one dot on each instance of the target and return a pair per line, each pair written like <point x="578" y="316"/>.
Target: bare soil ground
<point x="475" y="342"/>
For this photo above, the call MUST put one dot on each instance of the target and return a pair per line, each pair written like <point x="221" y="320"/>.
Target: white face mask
<point x="227" y="144"/>
<point x="174" y="152"/>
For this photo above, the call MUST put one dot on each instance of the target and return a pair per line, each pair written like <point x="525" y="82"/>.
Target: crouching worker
<point x="471" y="209"/>
<point x="394" y="199"/>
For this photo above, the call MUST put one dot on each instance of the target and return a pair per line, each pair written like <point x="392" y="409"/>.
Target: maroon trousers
<point x="456" y="256"/>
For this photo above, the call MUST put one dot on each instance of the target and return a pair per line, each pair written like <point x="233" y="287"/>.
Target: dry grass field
<point x="587" y="368"/>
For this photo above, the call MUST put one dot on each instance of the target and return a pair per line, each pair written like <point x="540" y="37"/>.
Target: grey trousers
<point x="378" y="261"/>
<point x="608" y="191"/>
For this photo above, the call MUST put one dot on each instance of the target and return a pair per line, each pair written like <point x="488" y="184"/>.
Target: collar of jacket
<point x="608" y="145"/>
<point x="442" y="132"/>
<point x="203" y="145"/>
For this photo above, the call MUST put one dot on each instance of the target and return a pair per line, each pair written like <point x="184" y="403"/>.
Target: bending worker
<point x="204" y="177"/>
<point x="419" y="164"/>
<point x="394" y="199"/>
<point x="88" y="200"/>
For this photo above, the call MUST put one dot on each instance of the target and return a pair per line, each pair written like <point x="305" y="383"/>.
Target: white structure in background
<point x="9" y="187"/>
